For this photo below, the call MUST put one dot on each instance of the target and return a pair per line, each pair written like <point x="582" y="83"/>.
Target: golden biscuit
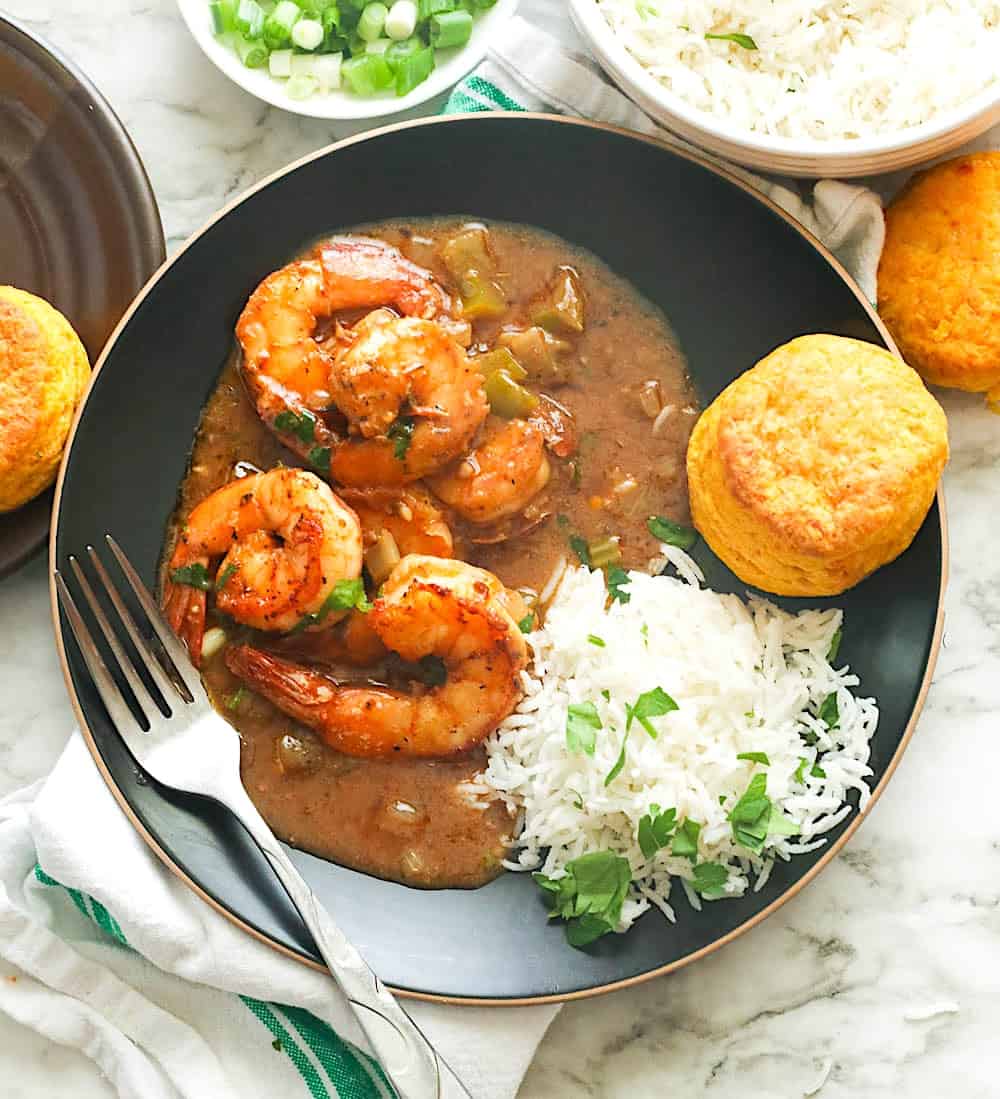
<point x="939" y="277"/>
<point x="817" y="466"/>
<point x="43" y="373"/>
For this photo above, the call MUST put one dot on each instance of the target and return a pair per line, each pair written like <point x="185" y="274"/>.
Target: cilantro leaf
<point x="346" y="594"/>
<point x="595" y="640"/>
<point x="743" y="40"/>
<point x="817" y="771"/>
<point x="755" y="757"/>
<point x="617" y="579"/>
<point x="685" y="843"/>
<point x="654" y="703"/>
<point x="589" y="896"/>
<point x="834" y="649"/>
<point x="656" y="830"/>
<point x="582" y="723"/>
<point x="319" y="458"/>
<point x="579" y="546"/>
<point x="829" y="711"/>
<point x="225" y="576"/>
<point x="194" y="576"/>
<point x="781" y="825"/>
<point x="673" y="534"/>
<point x="401" y="433"/>
<point x="751" y="815"/>
<point x="527" y="623"/>
<point x="300" y="424"/>
<point x="709" y="879"/>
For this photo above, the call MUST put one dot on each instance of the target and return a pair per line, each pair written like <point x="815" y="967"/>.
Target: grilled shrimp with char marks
<point x="429" y="607"/>
<point x="280" y="541"/>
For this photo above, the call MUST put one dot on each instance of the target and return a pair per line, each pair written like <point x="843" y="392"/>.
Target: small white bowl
<point x="784" y="155"/>
<point x="452" y="65"/>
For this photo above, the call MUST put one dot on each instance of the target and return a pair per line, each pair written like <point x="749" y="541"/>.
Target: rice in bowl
<point x="837" y="69"/>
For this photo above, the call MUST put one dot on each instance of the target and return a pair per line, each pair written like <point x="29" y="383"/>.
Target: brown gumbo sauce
<point x="410" y="819"/>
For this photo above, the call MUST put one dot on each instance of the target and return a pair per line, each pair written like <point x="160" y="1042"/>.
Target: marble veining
<point x="878" y="980"/>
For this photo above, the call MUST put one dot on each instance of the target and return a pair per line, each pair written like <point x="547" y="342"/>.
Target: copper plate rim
<point x="580" y="994"/>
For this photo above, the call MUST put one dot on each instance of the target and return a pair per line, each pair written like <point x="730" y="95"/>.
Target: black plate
<point x="78" y="221"/>
<point x="735" y="279"/>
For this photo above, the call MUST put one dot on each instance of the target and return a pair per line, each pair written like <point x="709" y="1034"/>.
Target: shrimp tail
<point x="184" y="608"/>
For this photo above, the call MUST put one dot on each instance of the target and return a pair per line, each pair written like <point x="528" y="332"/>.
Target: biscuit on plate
<point x="817" y="466"/>
<point x="939" y="277"/>
<point x="43" y="373"/>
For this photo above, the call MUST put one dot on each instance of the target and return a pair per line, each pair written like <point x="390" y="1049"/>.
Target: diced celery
<point x="500" y="358"/>
<point x="482" y="298"/>
<point x="560" y="308"/>
<point x="508" y="398"/>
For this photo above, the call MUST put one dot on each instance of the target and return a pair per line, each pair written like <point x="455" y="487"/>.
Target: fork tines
<point x="154" y="665"/>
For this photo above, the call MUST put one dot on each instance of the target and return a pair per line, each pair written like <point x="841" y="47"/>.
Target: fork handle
<point x="416" y="1069"/>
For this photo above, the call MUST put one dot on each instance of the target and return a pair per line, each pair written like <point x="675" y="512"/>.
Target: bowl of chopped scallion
<point x="345" y="58"/>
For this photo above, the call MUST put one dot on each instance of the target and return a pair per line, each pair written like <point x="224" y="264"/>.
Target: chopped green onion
<point x="604" y="551"/>
<point x="367" y="74"/>
<point x="307" y="34"/>
<point x="401" y="21"/>
<point x="427" y="8"/>
<point x="249" y="19"/>
<point x="372" y="21"/>
<point x="279" y="65"/>
<point x="252" y="54"/>
<point x="223" y="14"/>
<point x="379" y="46"/>
<point x="449" y="30"/>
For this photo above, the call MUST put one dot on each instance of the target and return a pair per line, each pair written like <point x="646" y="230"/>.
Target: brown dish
<point x="616" y="405"/>
<point x="78" y="221"/>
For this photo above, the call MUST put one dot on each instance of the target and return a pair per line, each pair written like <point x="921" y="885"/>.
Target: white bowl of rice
<point x="806" y="87"/>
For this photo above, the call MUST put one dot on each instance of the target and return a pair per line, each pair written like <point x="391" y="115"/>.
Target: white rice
<point x="747" y="677"/>
<point x="822" y="68"/>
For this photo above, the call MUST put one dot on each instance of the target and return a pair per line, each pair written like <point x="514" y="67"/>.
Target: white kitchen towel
<point x="102" y="948"/>
<point x="529" y="70"/>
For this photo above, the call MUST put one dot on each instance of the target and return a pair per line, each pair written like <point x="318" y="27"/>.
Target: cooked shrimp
<point x="428" y="608"/>
<point x="351" y="641"/>
<point x="500" y="476"/>
<point x="281" y="541"/>
<point x="409" y="514"/>
<point x="412" y="399"/>
<point x="285" y="369"/>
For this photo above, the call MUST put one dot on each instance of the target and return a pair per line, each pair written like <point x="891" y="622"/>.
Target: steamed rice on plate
<point x="818" y="70"/>
<point x="680" y="737"/>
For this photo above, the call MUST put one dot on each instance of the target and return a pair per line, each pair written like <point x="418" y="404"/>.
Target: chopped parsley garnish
<point x="829" y="711"/>
<point x="194" y="576"/>
<point x="750" y="817"/>
<point x="656" y="829"/>
<point x="685" y="843"/>
<point x="401" y="433"/>
<point x="644" y="630"/>
<point x="578" y="802"/>
<point x="319" y="458"/>
<point x="562" y="520"/>
<point x="743" y="40"/>
<point x="431" y="670"/>
<point x="834" y="649"/>
<point x="709" y="879"/>
<point x="225" y="576"/>
<point x="616" y="770"/>
<point x="654" y="703"/>
<point x="234" y="700"/>
<point x="589" y="896"/>
<point x="617" y="579"/>
<point x="817" y="771"/>
<point x="800" y="771"/>
<point x="346" y="595"/>
<point x="300" y="424"/>
<point x="606" y="695"/>
<point x="527" y="623"/>
<point x="755" y="757"/>
<point x="780" y="825"/>
<point x="673" y="534"/>
<point x="582" y="723"/>
<point x="579" y="546"/>
<point x="595" y="640"/>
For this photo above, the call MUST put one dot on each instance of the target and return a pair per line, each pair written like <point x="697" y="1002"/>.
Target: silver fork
<point x="193" y="749"/>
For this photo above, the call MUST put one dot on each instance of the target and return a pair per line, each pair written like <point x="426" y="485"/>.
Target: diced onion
<point x="212" y="642"/>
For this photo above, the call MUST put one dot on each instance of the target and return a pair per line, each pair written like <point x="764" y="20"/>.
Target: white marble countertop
<point x="881" y="977"/>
